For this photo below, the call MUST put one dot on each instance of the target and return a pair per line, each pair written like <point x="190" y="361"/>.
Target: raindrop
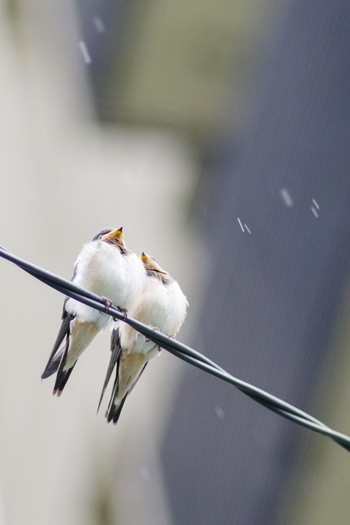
<point x="220" y="414"/>
<point x="314" y="211"/>
<point x="240" y="223"/>
<point x="145" y="473"/>
<point x="287" y="199"/>
<point x="85" y="52"/>
<point x="99" y="25"/>
<point x="316" y="204"/>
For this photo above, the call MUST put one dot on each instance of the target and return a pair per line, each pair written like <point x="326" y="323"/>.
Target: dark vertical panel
<point x="103" y="26"/>
<point x="273" y="294"/>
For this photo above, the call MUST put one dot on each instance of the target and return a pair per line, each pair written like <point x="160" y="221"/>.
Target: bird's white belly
<point x="110" y="274"/>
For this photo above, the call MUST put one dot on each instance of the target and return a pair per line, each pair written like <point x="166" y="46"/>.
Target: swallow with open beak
<point x="106" y="267"/>
<point x="162" y="305"/>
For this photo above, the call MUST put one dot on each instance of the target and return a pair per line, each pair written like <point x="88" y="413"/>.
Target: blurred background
<point x="217" y="133"/>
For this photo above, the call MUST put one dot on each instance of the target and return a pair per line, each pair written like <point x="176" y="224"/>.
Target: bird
<point x="106" y="267"/>
<point x="163" y="306"/>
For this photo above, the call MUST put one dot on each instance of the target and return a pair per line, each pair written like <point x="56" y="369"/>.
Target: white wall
<point x="62" y="179"/>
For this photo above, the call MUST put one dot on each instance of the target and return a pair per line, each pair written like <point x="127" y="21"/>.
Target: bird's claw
<point x="107" y="303"/>
<point x="156" y="329"/>
<point x="123" y="311"/>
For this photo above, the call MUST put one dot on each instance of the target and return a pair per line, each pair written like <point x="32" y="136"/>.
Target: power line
<point x="179" y="349"/>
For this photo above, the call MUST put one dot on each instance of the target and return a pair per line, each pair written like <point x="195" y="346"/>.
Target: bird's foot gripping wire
<point x="122" y="311"/>
<point x="107" y="303"/>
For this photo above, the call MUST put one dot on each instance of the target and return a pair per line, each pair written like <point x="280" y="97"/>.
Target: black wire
<point x="179" y="349"/>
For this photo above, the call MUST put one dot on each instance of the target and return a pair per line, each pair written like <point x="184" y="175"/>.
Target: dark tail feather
<point x="115" y="354"/>
<point x="62" y="378"/>
<point x="114" y="411"/>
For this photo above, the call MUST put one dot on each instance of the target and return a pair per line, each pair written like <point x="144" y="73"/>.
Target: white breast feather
<point x="161" y="306"/>
<point x="102" y="269"/>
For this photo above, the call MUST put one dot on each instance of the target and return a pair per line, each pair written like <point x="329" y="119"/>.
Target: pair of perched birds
<point x="136" y="285"/>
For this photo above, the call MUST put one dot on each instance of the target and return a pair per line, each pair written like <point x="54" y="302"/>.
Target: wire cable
<point x="179" y="349"/>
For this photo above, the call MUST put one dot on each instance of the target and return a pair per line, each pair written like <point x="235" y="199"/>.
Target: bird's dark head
<point x="102" y="232"/>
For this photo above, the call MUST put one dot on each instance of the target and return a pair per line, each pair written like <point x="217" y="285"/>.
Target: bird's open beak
<point x="151" y="264"/>
<point x="114" y="235"/>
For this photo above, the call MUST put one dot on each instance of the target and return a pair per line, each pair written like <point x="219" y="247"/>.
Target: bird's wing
<point x="115" y="355"/>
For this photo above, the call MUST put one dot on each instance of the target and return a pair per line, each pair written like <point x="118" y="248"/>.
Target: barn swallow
<point x="162" y="305"/>
<point x="106" y="267"/>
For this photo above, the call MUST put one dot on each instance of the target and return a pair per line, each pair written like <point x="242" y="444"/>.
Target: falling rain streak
<point x="317" y="206"/>
<point x="314" y="211"/>
<point x="145" y="473"/>
<point x="287" y="199"/>
<point x="99" y="25"/>
<point x="85" y="52"/>
<point x="240" y="223"/>
<point x="243" y="227"/>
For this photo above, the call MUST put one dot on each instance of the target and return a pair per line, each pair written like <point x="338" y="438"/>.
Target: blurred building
<point x="228" y="124"/>
<point x="279" y="228"/>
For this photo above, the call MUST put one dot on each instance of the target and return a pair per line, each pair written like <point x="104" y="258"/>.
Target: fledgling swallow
<point x="106" y="267"/>
<point x="162" y="305"/>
